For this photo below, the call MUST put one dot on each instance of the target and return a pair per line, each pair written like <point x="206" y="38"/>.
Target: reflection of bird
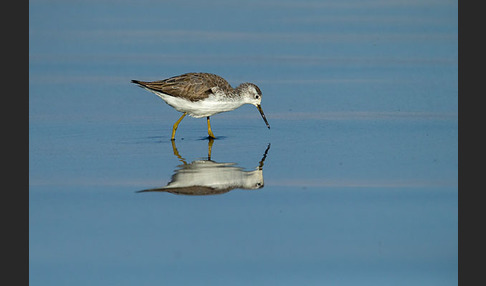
<point x="206" y="177"/>
<point x="203" y="95"/>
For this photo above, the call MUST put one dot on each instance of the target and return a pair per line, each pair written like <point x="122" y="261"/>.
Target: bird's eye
<point x="257" y="96"/>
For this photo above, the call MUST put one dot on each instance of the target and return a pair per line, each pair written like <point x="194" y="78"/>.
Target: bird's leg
<point x="210" y="147"/>
<point x="174" y="128"/>
<point x="174" y="149"/>
<point x="210" y="133"/>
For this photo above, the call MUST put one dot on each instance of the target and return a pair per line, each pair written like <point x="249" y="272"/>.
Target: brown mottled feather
<point x="190" y="191"/>
<point x="191" y="86"/>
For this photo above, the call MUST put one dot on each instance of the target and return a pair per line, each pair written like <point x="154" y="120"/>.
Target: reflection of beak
<point x="263" y="115"/>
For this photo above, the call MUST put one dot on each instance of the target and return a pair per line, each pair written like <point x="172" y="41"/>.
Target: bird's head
<point x="252" y="95"/>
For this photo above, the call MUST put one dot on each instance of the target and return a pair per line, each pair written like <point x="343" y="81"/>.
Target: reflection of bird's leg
<point x="174" y="128"/>
<point x="210" y="133"/>
<point x="260" y="165"/>
<point x="210" y="147"/>
<point x="174" y="149"/>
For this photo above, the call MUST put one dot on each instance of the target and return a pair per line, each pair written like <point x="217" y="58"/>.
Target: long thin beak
<point x="263" y="115"/>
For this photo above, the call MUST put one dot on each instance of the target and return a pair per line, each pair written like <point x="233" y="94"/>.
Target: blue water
<point x="360" y="170"/>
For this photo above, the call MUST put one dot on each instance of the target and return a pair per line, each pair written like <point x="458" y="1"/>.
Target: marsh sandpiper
<point x="203" y="95"/>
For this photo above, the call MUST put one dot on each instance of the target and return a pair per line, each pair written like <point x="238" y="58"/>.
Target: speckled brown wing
<point x="190" y="191"/>
<point x="192" y="86"/>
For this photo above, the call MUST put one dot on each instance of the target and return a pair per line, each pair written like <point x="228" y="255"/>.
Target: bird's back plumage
<point x="190" y="86"/>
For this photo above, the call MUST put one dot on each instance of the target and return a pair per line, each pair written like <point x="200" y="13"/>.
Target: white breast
<point x="214" y="104"/>
<point x="216" y="175"/>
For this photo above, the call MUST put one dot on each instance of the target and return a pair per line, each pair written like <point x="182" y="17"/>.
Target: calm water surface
<point x="354" y="184"/>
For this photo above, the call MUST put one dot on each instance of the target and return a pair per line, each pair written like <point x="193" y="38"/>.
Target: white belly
<point x="212" y="105"/>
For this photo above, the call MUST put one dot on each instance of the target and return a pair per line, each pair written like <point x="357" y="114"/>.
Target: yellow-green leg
<point x="210" y="133"/>
<point x="174" y="128"/>
<point x="210" y="147"/>
<point x="174" y="149"/>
